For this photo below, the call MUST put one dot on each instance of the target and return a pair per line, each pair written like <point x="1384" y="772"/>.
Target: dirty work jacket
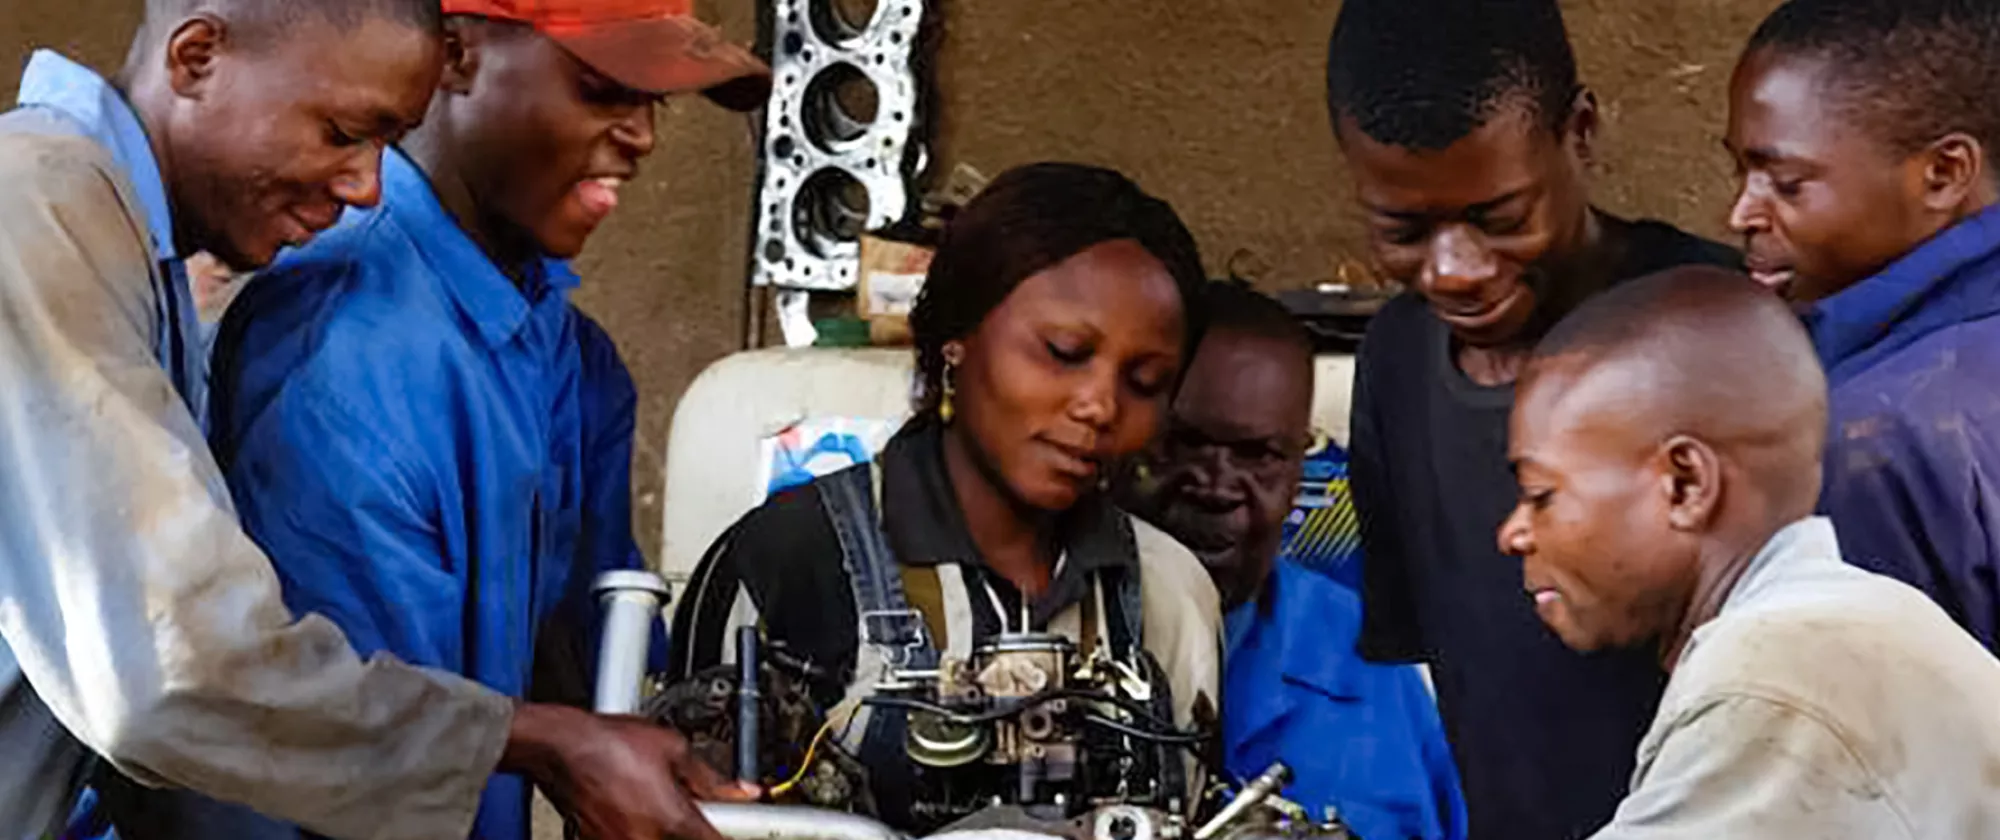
<point x="1912" y="477"/>
<point x="137" y="618"/>
<point x="1822" y="701"/>
<point x="435" y="457"/>
<point x="1359" y="736"/>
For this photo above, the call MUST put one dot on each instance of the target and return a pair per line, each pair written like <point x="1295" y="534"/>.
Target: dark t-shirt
<point x="1544" y="737"/>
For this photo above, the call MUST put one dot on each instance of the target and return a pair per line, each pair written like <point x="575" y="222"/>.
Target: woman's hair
<point x="1030" y="219"/>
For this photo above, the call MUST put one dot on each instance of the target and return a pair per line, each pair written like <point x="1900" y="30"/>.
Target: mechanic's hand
<point x="617" y="778"/>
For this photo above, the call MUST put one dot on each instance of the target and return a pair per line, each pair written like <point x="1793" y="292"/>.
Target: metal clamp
<point x="902" y="636"/>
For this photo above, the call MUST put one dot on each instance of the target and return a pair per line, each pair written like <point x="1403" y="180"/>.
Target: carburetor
<point x="1025" y="721"/>
<point x="1009" y="671"/>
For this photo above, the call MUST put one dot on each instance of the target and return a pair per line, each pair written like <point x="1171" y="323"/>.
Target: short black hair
<point x="1027" y="220"/>
<point x="1234" y="306"/>
<point x="273" y="19"/>
<point x="1906" y="71"/>
<point x="1422" y="74"/>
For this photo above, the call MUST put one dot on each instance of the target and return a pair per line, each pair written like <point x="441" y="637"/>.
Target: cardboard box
<point x="892" y="275"/>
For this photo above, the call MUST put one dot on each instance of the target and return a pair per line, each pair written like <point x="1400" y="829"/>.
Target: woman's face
<point x="1070" y="373"/>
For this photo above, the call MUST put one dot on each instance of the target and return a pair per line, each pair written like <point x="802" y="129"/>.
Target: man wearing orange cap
<point x="430" y="441"/>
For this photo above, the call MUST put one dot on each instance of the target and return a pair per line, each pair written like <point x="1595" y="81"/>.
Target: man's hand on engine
<point x="616" y="778"/>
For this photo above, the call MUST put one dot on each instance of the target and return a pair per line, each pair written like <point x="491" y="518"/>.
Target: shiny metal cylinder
<point x="631" y="599"/>
<point x="784" y="822"/>
<point x="1269" y="783"/>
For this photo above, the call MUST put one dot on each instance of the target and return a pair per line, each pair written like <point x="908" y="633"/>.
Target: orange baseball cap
<point x="657" y="46"/>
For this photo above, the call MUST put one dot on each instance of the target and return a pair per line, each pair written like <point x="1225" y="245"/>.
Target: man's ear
<point x="1691" y="481"/>
<point x="463" y="38"/>
<point x="1955" y="173"/>
<point x="191" y="53"/>
<point x="1580" y="130"/>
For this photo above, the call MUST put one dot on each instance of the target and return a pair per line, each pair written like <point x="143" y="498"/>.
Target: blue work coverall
<point x="1361" y="737"/>
<point x="436" y="456"/>
<point x="1912" y="357"/>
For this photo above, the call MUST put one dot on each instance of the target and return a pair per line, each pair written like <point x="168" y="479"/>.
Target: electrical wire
<point x="842" y="714"/>
<point x="805" y="764"/>
<point x="1176" y="738"/>
<point x="914" y="705"/>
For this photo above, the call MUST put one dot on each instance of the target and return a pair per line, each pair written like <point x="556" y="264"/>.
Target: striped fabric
<point x="1323" y="533"/>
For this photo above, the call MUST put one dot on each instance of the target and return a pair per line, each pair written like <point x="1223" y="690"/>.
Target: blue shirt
<point x="1913" y="455"/>
<point x="435" y="458"/>
<point x="1360" y="737"/>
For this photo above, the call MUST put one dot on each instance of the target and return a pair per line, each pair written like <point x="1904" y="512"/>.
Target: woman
<point x="1050" y="335"/>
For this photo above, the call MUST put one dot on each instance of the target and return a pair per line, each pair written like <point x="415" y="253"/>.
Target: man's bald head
<point x="1665" y="428"/>
<point x="1709" y="354"/>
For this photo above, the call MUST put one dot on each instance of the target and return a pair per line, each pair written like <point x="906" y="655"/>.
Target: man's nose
<point x="1459" y="260"/>
<point x="1516" y="540"/>
<point x="1207" y="463"/>
<point x="1213" y="472"/>
<point x="360" y="183"/>
<point x="1748" y="215"/>
<point x="635" y="132"/>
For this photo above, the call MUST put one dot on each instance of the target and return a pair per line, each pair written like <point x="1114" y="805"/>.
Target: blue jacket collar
<point x="1955" y="277"/>
<point x="484" y="293"/>
<point x="54" y="82"/>
<point x="1287" y="645"/>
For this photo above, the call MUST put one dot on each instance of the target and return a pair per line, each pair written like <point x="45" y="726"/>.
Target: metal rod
<point x="1270" y="782"/>
<point x="748" y="652"/>
<point x="631" y="600"/>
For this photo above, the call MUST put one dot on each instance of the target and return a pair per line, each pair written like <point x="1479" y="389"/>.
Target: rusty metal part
<point x="704" y="709"/>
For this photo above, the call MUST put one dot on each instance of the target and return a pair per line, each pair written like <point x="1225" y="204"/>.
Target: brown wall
<point x="1213" y="104"/>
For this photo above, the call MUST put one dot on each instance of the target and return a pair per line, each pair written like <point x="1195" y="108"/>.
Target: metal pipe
<point x="785" y="822"/>
<point x="748" y="653"/>
<point x="631" y="600"/>
<point x="1273" y="780"/>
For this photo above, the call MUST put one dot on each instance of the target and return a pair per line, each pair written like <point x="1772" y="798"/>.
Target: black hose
<point x="1191" y="743"/>
<point x="1177" y="738"/>
<point x="1132" y="707"/>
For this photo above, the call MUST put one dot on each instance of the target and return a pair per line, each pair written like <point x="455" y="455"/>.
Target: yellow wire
<point x="805" y="764"/>
<point x="843" y="715"/>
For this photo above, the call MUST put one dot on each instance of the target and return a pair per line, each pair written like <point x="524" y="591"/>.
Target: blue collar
<point x="59" y="84"/>
<point x="1302" y="615"/>
<point x="1948" y="280"/>
<point x="485" y="294"/>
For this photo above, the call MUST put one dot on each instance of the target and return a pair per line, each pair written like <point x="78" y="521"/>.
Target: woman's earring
<point x="945" y="410"/>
